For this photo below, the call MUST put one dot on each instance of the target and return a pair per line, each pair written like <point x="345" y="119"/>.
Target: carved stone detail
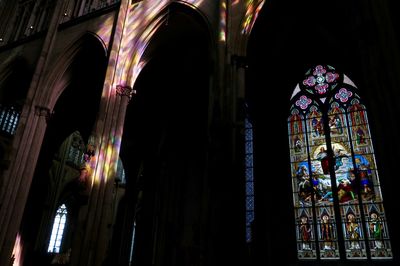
<point x="125" y="91"/>
<point x="43" y="111"/>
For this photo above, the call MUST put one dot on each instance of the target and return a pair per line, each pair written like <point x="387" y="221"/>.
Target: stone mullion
<point x="32" y="21"/>
<point x="80" y="7"/>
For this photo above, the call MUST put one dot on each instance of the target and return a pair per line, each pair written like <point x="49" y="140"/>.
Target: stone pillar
<point x="26" y="147"/>
<point x="124" y="94"/>
<point x="96" y="217"/>
<point x="99" y="217"/>
<point x="19" y="179"/>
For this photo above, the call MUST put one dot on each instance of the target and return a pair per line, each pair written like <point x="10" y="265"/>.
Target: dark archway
<point x="164" y="146"/>
<point x="75" y="110"/>
<point x="15" y="78"/>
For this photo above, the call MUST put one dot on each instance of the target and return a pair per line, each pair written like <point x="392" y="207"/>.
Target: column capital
<point x="123" y="90"/>
<point x="43" y="111"/>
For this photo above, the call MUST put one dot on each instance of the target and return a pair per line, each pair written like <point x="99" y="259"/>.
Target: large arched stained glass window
<point x="336" y="191"/>
<point x="58" y="229"/>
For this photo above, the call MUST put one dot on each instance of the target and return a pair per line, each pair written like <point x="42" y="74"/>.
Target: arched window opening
<point x="9" y="117"/>
<point x="336" y="191"/>
<point x="248" y="135"/>
<point x="76" y="149"/>
<point x="58" y="229"/>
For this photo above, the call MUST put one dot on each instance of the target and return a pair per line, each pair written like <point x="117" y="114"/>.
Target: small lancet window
<point x="58" y="229"/>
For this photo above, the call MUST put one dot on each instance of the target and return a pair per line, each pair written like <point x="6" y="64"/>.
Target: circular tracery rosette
<point x="320" y="80"/>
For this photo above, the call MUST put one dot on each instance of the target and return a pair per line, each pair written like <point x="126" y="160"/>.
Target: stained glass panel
<point x="305" y="234"/>
<point x="327" y="234"/>
<point x="378" y="234"/>
<point x="249" y="178"/>
<point x="353" y="233"/>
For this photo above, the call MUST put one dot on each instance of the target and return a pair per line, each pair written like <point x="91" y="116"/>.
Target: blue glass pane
<point x="249" y="188"/>
<point x="247" y="123"/>
<point x="248" y="134"/>
<point x="249" y="218"/>
<point x="249" y="203"/>
<point x="249" y="174"/>
<point x="249" y="160"/>
<point x="248" y="234"/>
<point x="248" y="147"/>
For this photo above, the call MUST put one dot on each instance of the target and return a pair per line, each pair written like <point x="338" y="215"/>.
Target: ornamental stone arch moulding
<point x="243" y="25"/>
<point x="179" y="6"/>
<point x="134" y="51"/>
<point x="181" y="67"/>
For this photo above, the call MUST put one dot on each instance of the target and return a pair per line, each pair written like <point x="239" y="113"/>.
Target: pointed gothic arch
<point x="71" y="104"/>
<point x="146" y="42"/>
<point x="59" y="79"/>
<point x="246" y="24"/>
<point x="336" y="190"/>
<point x="57" y="232"/>
<point x="158" y="131"/>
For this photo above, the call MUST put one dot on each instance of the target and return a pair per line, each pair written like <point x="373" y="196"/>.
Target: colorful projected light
<point x="253" y="7"/>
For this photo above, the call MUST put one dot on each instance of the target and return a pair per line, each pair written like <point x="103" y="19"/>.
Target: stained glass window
<point x="76" y="149"/>
<point x="58" y="229"/>
<point x="9" y="117"/>
<point x="338" y="203"/>
<point x="248" y="131"/>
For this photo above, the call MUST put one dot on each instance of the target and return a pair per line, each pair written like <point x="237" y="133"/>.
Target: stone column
<point x="19" y="179"/>
<point x="124" y="94"/>
<point x="26" y="147"/>
<point x="97" y="223"/>
<point x="99" y="217"/>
